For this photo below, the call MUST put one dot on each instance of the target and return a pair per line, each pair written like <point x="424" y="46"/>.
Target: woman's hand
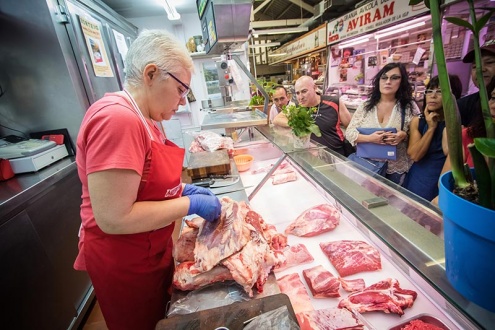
<point x="431" y="119"/>
<point x="394" y="138"/>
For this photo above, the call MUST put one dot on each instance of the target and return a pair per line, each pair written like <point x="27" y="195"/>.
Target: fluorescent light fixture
<point x="296" y="29"/>
<point x="356" y="41"/>
<point x="409" y="25"/>
<point x="172" y="13"/>
<point x="382" y="34"/>
<point x="278" y="54"/>
<point x="266" y="44"/>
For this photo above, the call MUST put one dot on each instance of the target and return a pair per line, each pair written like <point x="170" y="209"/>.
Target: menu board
<point x="201" y="5"/>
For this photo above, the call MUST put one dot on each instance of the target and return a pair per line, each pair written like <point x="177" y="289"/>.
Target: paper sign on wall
<point x="417" y="57"/>
<point x="96" y="47"/>
<point x="121" y="44"/>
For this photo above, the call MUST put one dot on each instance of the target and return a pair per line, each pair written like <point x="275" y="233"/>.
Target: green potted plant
<point x="300" y="120"/>
<point x="469" y="226"/>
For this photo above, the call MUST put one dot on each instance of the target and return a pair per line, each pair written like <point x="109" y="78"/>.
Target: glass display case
<point x="406" y="229"/>
<point x="352" y="94"/>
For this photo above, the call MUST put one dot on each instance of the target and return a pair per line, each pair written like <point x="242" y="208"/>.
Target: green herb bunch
<point x="301" y="121"/>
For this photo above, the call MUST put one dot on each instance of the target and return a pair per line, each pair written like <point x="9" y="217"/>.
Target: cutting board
<point x="205" y="163"/>
<point x="231" y="316"/>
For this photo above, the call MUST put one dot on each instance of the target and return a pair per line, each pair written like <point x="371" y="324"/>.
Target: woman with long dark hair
<point x="389" y="105"/>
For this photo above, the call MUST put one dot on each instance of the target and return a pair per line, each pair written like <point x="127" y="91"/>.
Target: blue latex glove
<point x="190" y="189"/>
<point x="207" y="207"/>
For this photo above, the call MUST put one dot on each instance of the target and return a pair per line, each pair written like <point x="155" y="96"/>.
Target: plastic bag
<point x="211" y="296"/>
<point x="279" y="319"/>
<point x="210" y="141"/>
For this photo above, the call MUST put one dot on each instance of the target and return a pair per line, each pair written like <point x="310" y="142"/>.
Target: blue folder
<point x="374" y="150"/>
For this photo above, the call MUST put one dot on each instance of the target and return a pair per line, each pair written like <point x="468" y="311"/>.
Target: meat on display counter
<point x="407" y="230"/>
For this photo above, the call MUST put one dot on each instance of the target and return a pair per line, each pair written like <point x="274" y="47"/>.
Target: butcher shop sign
<point x="371" y="16"/>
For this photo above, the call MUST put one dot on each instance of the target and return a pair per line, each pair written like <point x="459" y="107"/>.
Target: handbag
<point x="374" y="150"/>
<point x="375" y="166"/>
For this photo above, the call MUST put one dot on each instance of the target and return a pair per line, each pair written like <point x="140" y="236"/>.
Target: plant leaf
<point x="485" y="146"/>
<point x="460" y="22"/>
<point x="483" y="19"/>
<point x="483" y="179"/>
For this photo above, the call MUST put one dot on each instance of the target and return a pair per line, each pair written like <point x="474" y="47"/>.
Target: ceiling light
<point x="408" y="23"/>
<point x="172" y="13"/>
<point x="355" y="41"/>
<point x="404" y="28"/>
<point x="296" y="29"/>
<point x="278" y="54"/>
<point x="266" y="44"/>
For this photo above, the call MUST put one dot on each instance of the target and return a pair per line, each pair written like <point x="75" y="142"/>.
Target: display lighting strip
<point x="401" y="27"/>
<point x="266" y="44"/>
<point x="278" y="54"/>
<point x="172" y="13"/>
<point x="296" y="29"/>
<point x="356" y="41"/>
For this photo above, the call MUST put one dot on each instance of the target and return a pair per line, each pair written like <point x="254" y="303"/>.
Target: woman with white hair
<point x="132" y="192"/>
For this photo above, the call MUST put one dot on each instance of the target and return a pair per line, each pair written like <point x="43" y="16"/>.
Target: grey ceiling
<point x="270" y="10"/>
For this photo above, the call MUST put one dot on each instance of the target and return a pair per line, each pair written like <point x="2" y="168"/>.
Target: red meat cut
<point x="184" y="247"/>
<point x="351" y="257"/>
<point x="222" y="238"/>
<point x="321" y="282"/>
<point x="236" y="247"/>
<point x="188" y="277"/>
<point x="314" y="221"/>
<point x="329" y="319"/>
<point x="284" y="177"/>
<point x="352" y="285"/>
<point x="386" y="296"/>
<point x="276" y="240"/>
<point x="294" y="255"/>
<point x="292" y="286"/>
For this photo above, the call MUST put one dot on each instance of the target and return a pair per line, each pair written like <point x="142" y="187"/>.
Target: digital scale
<point x="31" y="155"/>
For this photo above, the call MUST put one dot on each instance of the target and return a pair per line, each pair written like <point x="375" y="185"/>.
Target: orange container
<point x="243" y="162"/>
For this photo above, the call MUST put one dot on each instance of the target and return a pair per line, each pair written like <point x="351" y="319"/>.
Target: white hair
<point x="158" y="47"/>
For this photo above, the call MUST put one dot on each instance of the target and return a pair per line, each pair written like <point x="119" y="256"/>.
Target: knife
<point x="217" y="181"/>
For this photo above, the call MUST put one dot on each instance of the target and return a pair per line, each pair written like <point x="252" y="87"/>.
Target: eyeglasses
<point x="187" y="88"/>
<point x="433" y="91"/>
<point x="393" y="77"/>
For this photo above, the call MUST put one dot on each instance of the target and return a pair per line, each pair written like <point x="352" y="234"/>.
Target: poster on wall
<point x="335" y="56"/>
<point x="96" y="47"/>
<point x="121" y="44"/>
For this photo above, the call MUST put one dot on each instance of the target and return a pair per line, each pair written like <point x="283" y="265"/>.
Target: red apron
<point x="131" y="274"/>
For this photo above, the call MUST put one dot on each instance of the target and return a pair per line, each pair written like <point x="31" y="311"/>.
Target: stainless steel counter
<point x="22" y="187"/>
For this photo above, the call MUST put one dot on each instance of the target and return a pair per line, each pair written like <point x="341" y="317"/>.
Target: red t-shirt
<point x="111" y="137"/>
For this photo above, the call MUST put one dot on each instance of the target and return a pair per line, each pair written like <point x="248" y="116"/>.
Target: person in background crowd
<point x="426" y="141"/>
<point x="280" y="99"/>
<point x="329" y="116"/>
<point x="132" y="192"/>
<point x="465" y="104"/>
<point x="491" y="101"/>
<point x="469" y="133"/>
<point x="391" y="95"/>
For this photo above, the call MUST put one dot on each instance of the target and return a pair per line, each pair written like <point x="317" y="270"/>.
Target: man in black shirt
<point x="330" y="115"/>
<point x="467" y="103"/>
